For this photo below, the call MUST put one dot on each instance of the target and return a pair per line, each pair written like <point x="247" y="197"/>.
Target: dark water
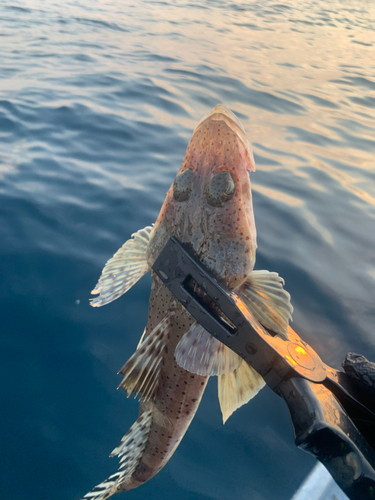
<point x="98" y="100"/>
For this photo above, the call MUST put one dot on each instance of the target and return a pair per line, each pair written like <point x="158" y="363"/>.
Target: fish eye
<point x="182" y="185"/>
<point x="220" y="189"/>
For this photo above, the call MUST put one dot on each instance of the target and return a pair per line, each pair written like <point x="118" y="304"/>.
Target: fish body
<point x="179" y="391"/>
<point x="209" y="208"/>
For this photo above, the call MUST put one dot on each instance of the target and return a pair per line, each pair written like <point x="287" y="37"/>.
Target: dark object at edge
<point x="361" y="371"/>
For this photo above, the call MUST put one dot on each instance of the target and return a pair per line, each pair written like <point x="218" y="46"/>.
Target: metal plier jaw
<point x="332" y="420"/>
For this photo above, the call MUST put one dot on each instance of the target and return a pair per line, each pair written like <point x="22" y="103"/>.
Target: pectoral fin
<point x="141" y="371"/>
<point x="125" y="268"/>
<point x="264" y="295"/>
<point x="237" y="388"/>
<point x="199" y="352"/>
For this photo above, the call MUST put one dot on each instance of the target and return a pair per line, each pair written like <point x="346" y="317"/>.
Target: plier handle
<point x="332" y="419"/>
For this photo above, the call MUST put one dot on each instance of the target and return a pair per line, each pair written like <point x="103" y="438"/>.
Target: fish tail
<point x="130" y="452"/>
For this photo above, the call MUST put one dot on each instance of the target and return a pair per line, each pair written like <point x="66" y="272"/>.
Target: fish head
<point x="209" y="205"/>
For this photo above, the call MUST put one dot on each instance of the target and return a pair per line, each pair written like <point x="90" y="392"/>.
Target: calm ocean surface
<point x="98" y="100"/>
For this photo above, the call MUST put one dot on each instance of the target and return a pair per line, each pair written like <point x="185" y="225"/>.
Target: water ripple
<point x="97" y="104"/>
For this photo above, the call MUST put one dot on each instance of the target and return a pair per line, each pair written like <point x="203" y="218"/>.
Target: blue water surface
<point x="98" y="100"/>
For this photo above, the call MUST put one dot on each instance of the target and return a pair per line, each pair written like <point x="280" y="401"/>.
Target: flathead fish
<point x="209" y="208"/>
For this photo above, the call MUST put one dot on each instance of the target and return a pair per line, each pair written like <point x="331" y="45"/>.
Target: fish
<point x="209" y="209"/>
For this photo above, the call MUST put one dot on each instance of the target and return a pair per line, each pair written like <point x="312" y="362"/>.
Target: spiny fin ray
<point x="130" y="451"/>
<point x="141" y="371"/>
<point x="199" y="352"/>
<point x="125" y="268"/>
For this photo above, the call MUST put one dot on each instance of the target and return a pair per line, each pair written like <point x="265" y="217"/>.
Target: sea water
<point x="98" y="100"/>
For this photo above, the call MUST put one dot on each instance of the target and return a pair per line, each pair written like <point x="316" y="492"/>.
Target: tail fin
<point x="130" y="451"/>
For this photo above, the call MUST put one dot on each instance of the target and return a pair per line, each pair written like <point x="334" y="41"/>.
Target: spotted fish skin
<point x="209" y="208"/>
<point x="224" y="238"/>
<point x="222" y="235"/>
<point x="179" y="392"/>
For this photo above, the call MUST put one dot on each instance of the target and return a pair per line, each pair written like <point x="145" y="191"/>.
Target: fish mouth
<point x="222" y="113"/>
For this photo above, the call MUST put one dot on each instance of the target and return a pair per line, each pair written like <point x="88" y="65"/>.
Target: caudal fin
<point x="130" y="451"/>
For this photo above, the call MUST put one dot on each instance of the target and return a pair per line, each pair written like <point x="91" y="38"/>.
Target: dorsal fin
<point x="130" y="451"/>
<point x="125" y="268"/>
<point x="142" y="338"/>
<point x="141" y="371"/>
<point x="199" y="352"/>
